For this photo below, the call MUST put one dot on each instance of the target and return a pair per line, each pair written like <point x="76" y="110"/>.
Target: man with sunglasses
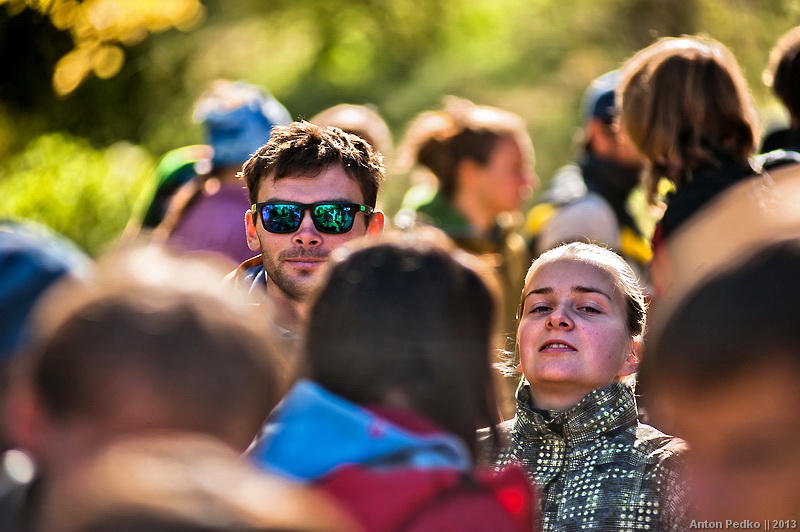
<point x="312" y="189"/>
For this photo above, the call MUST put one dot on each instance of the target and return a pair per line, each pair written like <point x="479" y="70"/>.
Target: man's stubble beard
<point x="292" y="286"/>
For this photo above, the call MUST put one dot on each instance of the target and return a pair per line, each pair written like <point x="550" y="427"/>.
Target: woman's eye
<point x="539" y="308"/>
<point x="590" y="310"/>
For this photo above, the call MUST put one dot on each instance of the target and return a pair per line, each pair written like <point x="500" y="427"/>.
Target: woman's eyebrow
<point x="590" y="290"/>
<point x="577" y="288"/>
<point x="543" y="290"/>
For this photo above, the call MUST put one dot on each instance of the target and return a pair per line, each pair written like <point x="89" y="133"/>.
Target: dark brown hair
<point x="783" y="71"/>
<point x="155" y="341"/>
<point x="302" y="149"/>
<point x="407" y="318"/>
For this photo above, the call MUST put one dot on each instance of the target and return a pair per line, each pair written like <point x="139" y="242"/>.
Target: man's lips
<point x="305" y="261"/>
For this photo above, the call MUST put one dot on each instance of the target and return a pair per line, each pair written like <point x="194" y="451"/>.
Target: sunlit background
<point x="93" y="92"/>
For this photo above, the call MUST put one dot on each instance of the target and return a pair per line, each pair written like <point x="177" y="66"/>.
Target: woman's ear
<point x="468" y="173"/>
<point x="631" y="363"/>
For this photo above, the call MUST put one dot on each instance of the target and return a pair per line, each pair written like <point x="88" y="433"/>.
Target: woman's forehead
<point x="575" y="272"/>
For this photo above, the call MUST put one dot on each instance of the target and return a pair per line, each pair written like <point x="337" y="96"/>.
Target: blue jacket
<point x="313" y="431"/>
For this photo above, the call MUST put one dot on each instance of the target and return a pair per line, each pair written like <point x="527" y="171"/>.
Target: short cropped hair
<point x="152" y="340"/>
<point x="361" y="120"/>
<point x="303" y="149"/>
<point x="408" y="317"/>
<point x="783" y="71"/>
<point x="683" y="101"/>
<point x="732" y="322"/>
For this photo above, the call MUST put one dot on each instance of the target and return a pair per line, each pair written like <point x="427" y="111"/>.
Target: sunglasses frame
<point x="258" y="209"/>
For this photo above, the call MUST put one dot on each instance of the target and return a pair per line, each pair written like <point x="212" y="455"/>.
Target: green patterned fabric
<point x="597" y="467"/>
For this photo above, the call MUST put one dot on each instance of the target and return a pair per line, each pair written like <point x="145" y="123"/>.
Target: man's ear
<point x="631" y="363"/>
<point x="25" y="418"/>
<point x="600" y="135"/>
<point x="376" y="222"/>
<point x="250" y="230"/>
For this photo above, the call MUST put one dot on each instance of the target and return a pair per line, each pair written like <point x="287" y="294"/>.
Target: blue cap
<point x="238" y="118"/>
<point x="32" y="258"/>
<point x="599" y="101"/>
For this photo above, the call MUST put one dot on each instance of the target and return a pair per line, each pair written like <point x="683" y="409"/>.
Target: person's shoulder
<point x="776" y="158"/>
<point x="664" y="474"/>
<point x="659" y="447"/>
<point x="501" y="500"/>
<point x="489" y="451"/>
<point x="566" y="186"/>
<point x="779" y="139"/>
<point x="591" y="204"/>
<point x="246" y="271"/>
<point x="18" y="502"/>
<point x="504" y="429"/>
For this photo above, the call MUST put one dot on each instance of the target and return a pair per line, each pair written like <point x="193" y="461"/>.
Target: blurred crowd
<point x="267" y="348"/>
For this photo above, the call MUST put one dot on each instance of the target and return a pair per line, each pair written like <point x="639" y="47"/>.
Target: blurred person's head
<point x="408" y="323"/>
<point x="783" y="72"/>
<point x="603" y="136"/>
<point x="361" y="120"/>
<point x="684" y="102"/>
<point x="721" y="372"/>
<point x="32" y="259"/>
<point x="237" y="119"/>
<point x="313" y="189"/>
<point x="582" y="316"/>
<point x="479" y="155"/>
<point x="187" y="483"/>
<point x="150" y="342"/>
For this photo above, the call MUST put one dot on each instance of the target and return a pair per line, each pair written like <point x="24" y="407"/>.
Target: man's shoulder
<point x="566" y="186"/>
<point x="246" y="271"/>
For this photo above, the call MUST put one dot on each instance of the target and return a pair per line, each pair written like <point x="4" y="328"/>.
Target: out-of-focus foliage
<point x="533" y="57"/>
<point x="99" y="28"/>
<point x="83" y="193"/>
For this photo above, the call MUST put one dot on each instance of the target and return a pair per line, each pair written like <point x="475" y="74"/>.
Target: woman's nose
<point x="559" y="319"/>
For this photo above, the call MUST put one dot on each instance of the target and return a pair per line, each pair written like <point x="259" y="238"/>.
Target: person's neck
<point x="473" y="209"/>
<point x="560" y="400"/>
<point x="286" y="312"/>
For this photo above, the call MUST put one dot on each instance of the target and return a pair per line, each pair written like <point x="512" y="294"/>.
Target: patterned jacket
<point x="597" y="467"/>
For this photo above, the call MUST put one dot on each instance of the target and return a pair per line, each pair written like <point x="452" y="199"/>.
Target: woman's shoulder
<point x="489" y="447"/>
<point x="658" y="444"/>
<point x="663" y="454"/>
<point x="503" y="428"/>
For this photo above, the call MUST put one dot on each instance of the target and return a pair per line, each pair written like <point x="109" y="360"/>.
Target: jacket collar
<point x="602" y="411"/>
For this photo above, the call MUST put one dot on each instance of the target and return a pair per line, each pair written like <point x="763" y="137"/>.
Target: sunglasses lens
<point x="281" y="218"/>
<point x="333" y="218"/>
